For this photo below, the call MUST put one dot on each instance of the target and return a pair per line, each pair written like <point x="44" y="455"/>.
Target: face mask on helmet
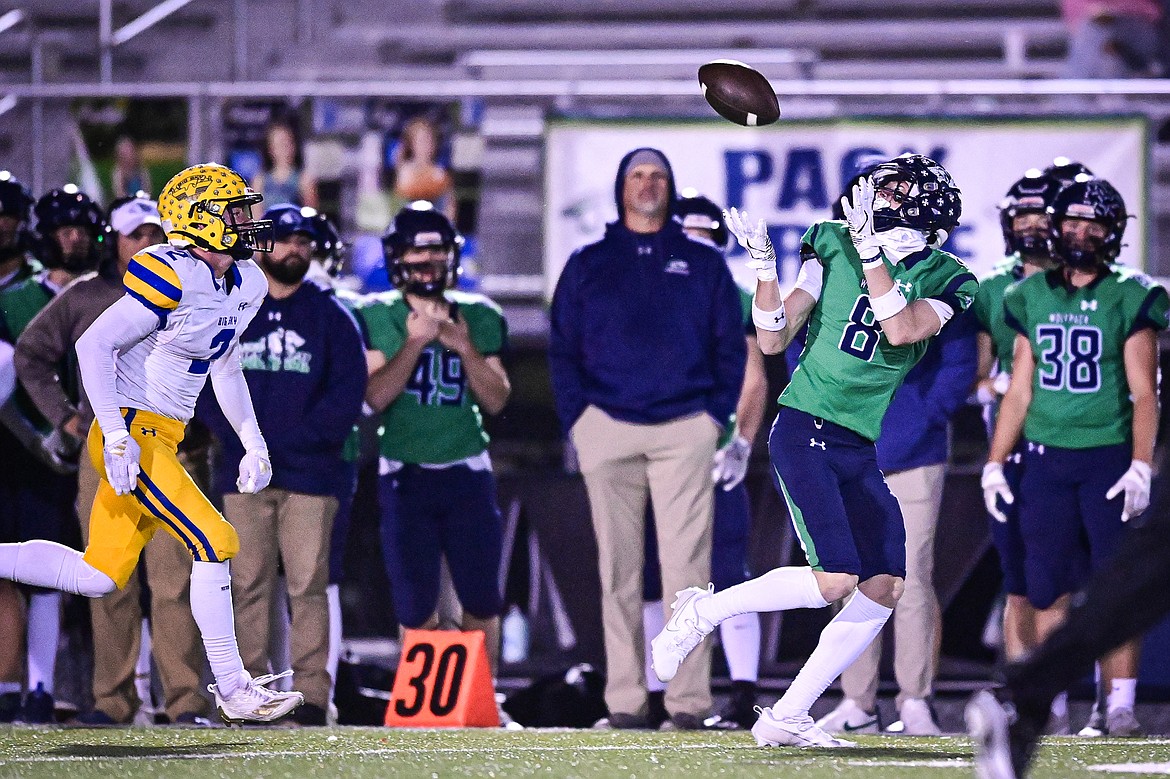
<point x="71" y="231"/>
<point x="210" y="206"/>
<point x="916" y="192"/>
<point x="1023" y="216"/>
<point x="1078" y="244"/>
<point x="422" y="252"/>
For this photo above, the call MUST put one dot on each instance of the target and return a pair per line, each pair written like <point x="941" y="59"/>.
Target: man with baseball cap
<point x="43" y="353"/>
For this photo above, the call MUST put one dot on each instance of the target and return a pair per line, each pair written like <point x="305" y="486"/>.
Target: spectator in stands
<point x="439" y="365"/>
<point x="37" y="486"/>
<point x="1113" y="38"/>
<point x="303" y="359"/>
<point x="647" y="295"/>
<point x="46" y="365"/>
<point x="418" y="175"/>
<point x="129" y="175"/>
<point x="283" y="178"/>
<point x="16" y="264"/>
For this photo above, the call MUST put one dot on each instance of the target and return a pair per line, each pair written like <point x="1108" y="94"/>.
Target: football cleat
<point x="684" y="631"/>
<point x="1004" y="739"/>
<point x="252" y="702"/>
<point x="1122" y="723"/>
<point x="917" y="719"/>
<point x="799" y="731"/>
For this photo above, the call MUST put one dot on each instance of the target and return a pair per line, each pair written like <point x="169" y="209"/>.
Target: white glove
<point x="255" y="471"/>
<point x="1136" y="485"/>
<point x="995" y="486"/>
<point x="121" y="460"/>
<point x="859" y="216"/>
<point x="755" y="240"/>
<point x="1002" y="382"/>
<point x="731" y="463"/>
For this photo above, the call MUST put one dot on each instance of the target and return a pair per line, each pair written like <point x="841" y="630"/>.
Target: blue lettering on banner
<point x="804" y="180"/>
<point x="744" y="167"/>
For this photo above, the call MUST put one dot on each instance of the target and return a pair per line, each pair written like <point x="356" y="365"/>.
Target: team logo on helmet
<point x="420" y="226"/>
<point x="210" y="206"/>
<point x="1095" y="200"/>
<point x="929" y="202"/>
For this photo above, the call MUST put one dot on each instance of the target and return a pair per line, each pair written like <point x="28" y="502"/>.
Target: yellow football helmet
<point x="210" y="206"/>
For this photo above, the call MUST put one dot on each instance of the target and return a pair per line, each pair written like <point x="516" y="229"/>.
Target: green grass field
<point x="322" y="753"/>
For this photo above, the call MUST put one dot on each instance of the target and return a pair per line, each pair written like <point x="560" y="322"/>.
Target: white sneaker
<point x="1122" y="723"/>
<point x="849" y="717"/>
<point x="916" y="719"/>
<point x="253" y="702"/>
<point x="772" y="731"/>
<point x="684" y="631"/>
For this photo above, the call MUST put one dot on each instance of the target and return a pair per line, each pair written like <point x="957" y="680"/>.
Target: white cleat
<point x="917" y="719"/>
<point x="849" y="718"/>
<point x="684" y="631"/>
<point x="772" y="731"/>
<point x="252" y="702"/>
<point x="988" y="721"/>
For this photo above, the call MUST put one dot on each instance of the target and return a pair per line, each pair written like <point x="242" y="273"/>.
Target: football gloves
<point x="995" y="488"/>
<point x="121" y="461"/>
<point x="755" y="240"/>
<point x="255" y="471"/>
<point x="858" y="211"/>
<point x="731" y="463"/>
<point x="1135" y="483"/>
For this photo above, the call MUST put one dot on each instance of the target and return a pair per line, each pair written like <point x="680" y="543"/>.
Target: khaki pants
<point x="178" y="648"/>
<point x="290" y="527"/>
<point x="623" y="463"/>
<point x="916" y="618"/>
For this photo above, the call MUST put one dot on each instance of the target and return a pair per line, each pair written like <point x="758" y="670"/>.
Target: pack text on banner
<point x="790" y="173"/>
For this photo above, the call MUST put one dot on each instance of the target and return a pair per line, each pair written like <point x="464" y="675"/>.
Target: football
<point x="739" y="93"/>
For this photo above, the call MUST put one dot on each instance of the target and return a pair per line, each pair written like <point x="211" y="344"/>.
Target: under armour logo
<point x="1088" y="305"/>
<point x="905" y="286"/>
<point x="273" y="316"/>
<point x="149" y="431"/>
<point x="814" y="442"/>
<point x="645" y="251"/>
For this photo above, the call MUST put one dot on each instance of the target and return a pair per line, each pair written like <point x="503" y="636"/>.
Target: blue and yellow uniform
<point x="157" y="381"/>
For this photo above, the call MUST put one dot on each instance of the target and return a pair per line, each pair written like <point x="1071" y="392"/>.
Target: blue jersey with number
<point x="1080" y="395"/>
<point x="436" y="419"/>
<point x="848" y="371"/>
<point x="199" y="321"/>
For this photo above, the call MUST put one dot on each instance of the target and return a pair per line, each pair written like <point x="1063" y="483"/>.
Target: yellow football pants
<point x="166" y="497"/>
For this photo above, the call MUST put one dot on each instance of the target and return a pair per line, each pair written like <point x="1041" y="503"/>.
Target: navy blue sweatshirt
<point x="306" y="371"/>
<point x="647" y="327"/>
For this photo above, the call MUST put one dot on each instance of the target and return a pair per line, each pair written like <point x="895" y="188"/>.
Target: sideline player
<point x="874" y="291"/>
<point x="143" y="363"/>
<point x="1084" y="396"/>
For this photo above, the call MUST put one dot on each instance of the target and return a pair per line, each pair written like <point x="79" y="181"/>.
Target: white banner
<point x="791" y="172"/>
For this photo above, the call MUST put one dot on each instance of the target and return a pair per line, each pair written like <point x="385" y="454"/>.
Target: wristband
<point x="772" y="321"/>
<point x="873" y="263"/>
<point x="887" y="305"/>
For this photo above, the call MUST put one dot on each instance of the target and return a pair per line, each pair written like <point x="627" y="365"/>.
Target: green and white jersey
<point x="848" y="372"/>
<point x="436" y="419"/>
<point x="1080" y="396"/>
<point x="988" y="309"/>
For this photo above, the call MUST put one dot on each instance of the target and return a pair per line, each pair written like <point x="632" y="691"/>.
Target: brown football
<point x="739" y="93"/>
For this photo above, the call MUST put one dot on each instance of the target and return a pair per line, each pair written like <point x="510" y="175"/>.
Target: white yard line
<point x="1133" y="768"/>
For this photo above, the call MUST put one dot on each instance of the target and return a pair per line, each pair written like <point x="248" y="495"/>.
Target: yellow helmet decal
<point x="194" y="210"/>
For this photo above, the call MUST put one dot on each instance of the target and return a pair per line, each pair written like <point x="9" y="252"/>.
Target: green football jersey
<point x="848" y="372"/>
<point x="435" y="419"/>
<point x="1080" y="396"/>
<point x="988" y="309"/>
<point x="19" y="303"/>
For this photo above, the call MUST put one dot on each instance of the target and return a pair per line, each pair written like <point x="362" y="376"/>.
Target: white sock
<point x="142" y="667"/>
<point x="333" y="599"/>
<point x="44" y="635"/>
<point x="54" y="566"/>
<point x="841" y="642"/>
<point x="211" y="606"/>
<point x="1059" y="707"/>
<point x="741" y="646"/>
<point x="1121" y="696"/>
<point x="653" y="621"/>
<point x="779" y="589"/>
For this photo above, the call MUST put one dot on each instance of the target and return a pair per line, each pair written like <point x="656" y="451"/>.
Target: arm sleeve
<point x="121" y="325"/>
<point x="331" y="418"/>
<point x="231" y="390"/>
<point x="40" y="351"/>
<point x="730" y="348"/>
<point x="812" y="275"/>
<point x="564" y="348"/>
